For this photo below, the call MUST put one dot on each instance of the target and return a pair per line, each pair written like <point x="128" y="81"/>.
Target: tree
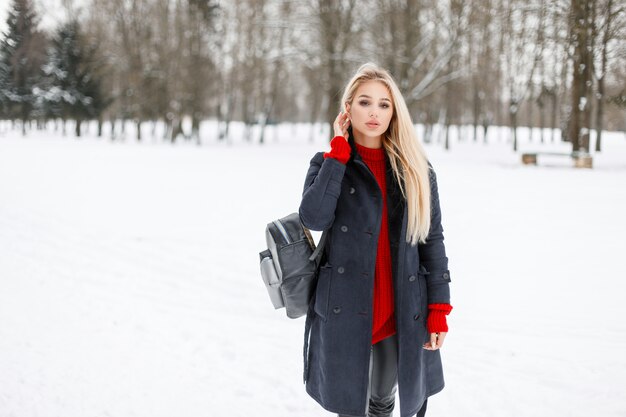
<point x="199" y="21"/>
<point x="72" y="90"/>
<point x="582" y="44"/>
<point x="608" y="26"/>
<point x="336" y="30"/>
<point x="22" y="52"/>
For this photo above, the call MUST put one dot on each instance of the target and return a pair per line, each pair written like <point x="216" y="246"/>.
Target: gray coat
<point x="347" y="200"/>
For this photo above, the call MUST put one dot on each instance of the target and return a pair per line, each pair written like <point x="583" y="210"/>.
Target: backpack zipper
<point x="282" y="230"/>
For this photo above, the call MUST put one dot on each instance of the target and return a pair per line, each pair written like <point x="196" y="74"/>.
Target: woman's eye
<point x="365" y="103"/>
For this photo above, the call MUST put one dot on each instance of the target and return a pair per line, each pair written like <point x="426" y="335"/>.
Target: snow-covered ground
<point x="129" y="281"/>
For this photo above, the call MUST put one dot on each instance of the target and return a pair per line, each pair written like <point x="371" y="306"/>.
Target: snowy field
<point x="129" y="279"/>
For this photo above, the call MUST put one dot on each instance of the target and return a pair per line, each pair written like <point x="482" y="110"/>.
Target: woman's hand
<point x="340" y="126"/>
<point x="436" y="341"/>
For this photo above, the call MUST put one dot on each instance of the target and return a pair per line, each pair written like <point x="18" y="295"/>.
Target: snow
<point x="130" y="286"/>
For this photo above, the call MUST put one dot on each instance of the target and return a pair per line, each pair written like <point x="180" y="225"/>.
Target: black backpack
<point x="290" y="264"/>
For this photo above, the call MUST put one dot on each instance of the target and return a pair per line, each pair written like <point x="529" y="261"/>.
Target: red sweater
<point x="384" y="323"/>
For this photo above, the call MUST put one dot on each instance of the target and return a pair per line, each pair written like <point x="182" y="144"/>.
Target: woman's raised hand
<point x="340" y="126"/>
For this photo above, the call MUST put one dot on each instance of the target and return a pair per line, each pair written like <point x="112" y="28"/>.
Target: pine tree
<point x="72" y="90"/>
<point x="21" y="56"/>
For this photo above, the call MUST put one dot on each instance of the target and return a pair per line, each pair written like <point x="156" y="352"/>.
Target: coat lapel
<point x="395" y="200"/>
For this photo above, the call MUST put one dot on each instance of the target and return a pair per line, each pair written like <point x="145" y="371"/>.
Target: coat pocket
<point x="322" y="292"/>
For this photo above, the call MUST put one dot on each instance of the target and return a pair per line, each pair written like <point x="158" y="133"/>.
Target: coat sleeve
<point x="322" y="187"/>
<point x="432" y="253"/>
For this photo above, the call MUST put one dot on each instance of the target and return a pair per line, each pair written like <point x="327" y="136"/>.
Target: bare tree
<point x="607" y="28"/>
<point x="523" y="52"/>
<point x="334" y="24"/>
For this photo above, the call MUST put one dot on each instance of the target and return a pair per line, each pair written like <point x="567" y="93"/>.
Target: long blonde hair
<point x="406" y="154"/>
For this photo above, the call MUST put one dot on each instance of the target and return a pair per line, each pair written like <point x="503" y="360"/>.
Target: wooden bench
<point x="581" y="159"/>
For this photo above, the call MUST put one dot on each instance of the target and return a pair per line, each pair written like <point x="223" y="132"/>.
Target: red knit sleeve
<point x="339" y="149"/>
<point x="436" y="321"/>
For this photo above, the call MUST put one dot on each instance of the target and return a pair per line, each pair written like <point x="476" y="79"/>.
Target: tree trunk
<point x="476" y="113"/>
<point x="486" y="124"/>
<point x="177" y="129"/>
<point x="555" y="107"/>
<point x="227" y="131"/>
<point x="167" y="128"/>
<point x="531" y="122"/>
<point x="513" y="115"/>
<point x="123" y="129"/>
<point x="600" y="100"/>
<point x="195" y="128"/>
<point x="112" y="132"/>
<point x="580" y="116"/>
<point x="599" y="114"/>
<point x="542" y="116"/>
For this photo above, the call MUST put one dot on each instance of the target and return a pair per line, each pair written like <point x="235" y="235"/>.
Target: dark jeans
<point x="383" y="378"/>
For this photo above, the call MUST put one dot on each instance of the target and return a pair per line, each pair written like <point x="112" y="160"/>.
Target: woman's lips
<point x="372" y="125"/>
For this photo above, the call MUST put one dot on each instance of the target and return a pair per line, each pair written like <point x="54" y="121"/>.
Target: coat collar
<point x="396" y="203"/>
<point x="393" y="188"/>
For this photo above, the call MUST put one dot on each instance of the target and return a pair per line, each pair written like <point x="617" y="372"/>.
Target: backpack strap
<point x="307" y="332"/>
<point x="318" y="250"/>
<point x="315" y="256"/>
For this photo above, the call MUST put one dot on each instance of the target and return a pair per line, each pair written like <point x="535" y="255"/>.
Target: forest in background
<point x="537" y="63"/>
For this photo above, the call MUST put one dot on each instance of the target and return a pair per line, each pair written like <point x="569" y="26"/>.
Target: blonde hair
<point x="406" y="154"/>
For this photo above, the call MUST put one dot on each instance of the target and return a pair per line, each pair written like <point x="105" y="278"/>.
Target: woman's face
<point x="371" y="109"/>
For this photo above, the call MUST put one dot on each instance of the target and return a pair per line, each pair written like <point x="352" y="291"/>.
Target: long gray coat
<point x="347" y="200"/>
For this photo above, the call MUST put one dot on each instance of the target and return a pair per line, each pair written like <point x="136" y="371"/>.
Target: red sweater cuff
<point x="339" y="149"/>
<point x="436" y="321"/>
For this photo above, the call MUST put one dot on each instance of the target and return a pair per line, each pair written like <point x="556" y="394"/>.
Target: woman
<point x="378" y="318"/>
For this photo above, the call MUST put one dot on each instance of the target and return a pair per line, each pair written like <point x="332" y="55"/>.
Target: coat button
<point x="412" y="278"/>
<point x="344" y="228"/>
<point x="337" y="310"/>
<point x="446" y="275"/>
<point x="352" y="190"/>
<point x="341" y="270"/>
<point x="416" y="317"/>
